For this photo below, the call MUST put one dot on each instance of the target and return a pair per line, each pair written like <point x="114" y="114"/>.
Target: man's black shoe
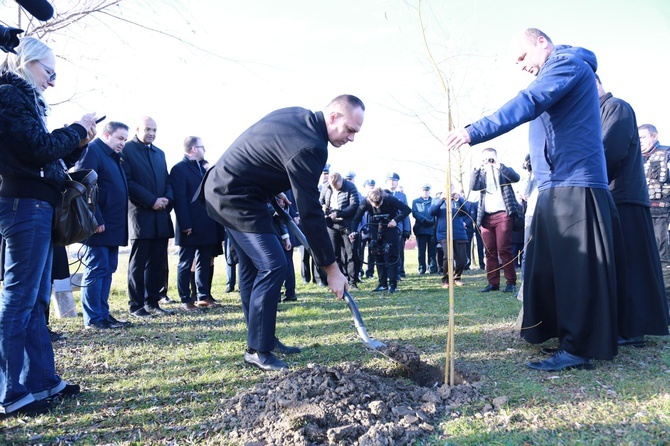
<point x="353" y="286"/>
<point x="228" y="289"/>
<point x="380" y="288"/>
<point x="141" y="313"/>
<point x="158" y="311"/>
<point x="392" y="289"/>
<point x="637" y="341"/>
<point x="115" y="323"/>
<point x="265" y="361"/>
<point x="284" y="349"/>
<point x="322" y="284"/>
<point x="55" y="336"/>
<point x="68" y="391"/>
<point x="509" y="288"/>
<point x="489" y="288"/>
<point x="31" y="409"/>
<point x="101" y="325"/>
<point x="562" y="360"/>
<point x="548" y="350"/>
<point x="290" y="299"/>
<point x="166" y="300"/>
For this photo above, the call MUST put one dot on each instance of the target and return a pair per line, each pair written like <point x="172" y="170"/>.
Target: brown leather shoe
<point x="208" y="302"/>
<point x="188" y="306"/>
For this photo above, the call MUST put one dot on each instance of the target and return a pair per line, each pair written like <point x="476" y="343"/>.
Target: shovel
<point x="358" y="321"/>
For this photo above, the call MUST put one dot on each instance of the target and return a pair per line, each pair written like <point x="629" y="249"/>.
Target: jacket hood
<point x="574" y="51"/>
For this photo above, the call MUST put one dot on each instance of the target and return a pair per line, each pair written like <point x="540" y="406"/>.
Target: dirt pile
<point x="344" y="405"/>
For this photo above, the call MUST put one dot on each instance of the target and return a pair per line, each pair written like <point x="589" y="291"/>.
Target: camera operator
<point x="386" y="212"/>
<point x="340" y="201"/>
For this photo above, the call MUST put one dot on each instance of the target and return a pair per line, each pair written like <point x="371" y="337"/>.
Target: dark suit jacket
<point x="112" y="209"/>
<point x="147" y="175"/>
<point x="287" y="149"/>
<point x="404" y="226"/>
<point x="185" y="178"/>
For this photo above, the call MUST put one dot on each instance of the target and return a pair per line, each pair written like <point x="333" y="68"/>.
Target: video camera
<point x="40" y="9"/>
<point x="380" y="219"/>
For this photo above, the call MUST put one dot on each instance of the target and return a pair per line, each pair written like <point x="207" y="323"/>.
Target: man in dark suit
<point x="340" y="201"/>
<point x="286" y="149"/>
<point x="196" y="232"/>
<point x="101" y="250"/>
<point x="149" y="218"/>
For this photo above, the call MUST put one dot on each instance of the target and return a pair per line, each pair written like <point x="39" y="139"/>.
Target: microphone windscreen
<point x="40" y="9"/>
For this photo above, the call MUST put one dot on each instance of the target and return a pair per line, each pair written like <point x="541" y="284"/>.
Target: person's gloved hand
<point x="405" y="235"/>
<point x="9" y="39"/>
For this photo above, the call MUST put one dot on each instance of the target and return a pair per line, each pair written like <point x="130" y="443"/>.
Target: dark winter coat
<point x="348" y="201"/>
<point x="112" y="209"/>
<point x="404" y="226"/>
<point x="459" y="214"/>
<point x="425" y="222"/>
<point x="287" y="149"/>
<point x="185" y="178"/>
<point x="625" y="168"/>
<point x="147" y="175"/>
<point x="506" y="177"/>
<point x="29" y="154"/>
<point x="396" y="209"/>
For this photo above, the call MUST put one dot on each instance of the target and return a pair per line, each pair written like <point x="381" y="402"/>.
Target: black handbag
<point x="74" y="216"/>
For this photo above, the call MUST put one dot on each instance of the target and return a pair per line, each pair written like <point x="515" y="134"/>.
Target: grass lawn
<point x="162" y="381"/>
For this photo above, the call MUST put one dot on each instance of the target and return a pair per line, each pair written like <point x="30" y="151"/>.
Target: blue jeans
<point x="27" y="370"/>
<point x="100" y="264"/>
<point x="262" y="273"/>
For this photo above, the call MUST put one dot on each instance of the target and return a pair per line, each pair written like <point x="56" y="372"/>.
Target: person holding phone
<point x="32" y="181"/>
<point x="497" y="210"/>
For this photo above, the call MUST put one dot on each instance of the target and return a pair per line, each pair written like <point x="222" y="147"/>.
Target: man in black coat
<point x="286" y="149"/>
<point x="149" y="219"/>
<point x="424" y="230"/>
<point x="643" y="309"/>
<point x="196" y="232"/>
<point x="340" y="201"/>
<point x="101" y="250"/>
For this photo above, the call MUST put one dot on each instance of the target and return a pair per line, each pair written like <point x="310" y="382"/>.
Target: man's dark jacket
<point x="287" y="149"/>
<point x="348" y="200"/>
<point x="147" y="175"/>
<point x="185" y="178"/>
<point x="506" y="177"/>
<point x="112" y="209"/>
<point x="425" y="222"/>
<point x="625" y="168"/>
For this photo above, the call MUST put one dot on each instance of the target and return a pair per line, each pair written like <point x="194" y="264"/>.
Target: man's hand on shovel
<point x="336" y="280"/>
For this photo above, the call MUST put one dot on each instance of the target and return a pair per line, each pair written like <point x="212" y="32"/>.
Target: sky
<point x="211" y="68"/>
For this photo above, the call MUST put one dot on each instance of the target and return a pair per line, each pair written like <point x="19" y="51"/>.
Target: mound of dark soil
<point x="344" y="405"/>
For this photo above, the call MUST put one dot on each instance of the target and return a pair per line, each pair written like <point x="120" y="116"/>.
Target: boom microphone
<point x="40" y="9"/>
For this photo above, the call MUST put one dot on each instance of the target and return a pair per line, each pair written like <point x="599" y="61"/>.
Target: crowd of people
<point x="591" y="220"/>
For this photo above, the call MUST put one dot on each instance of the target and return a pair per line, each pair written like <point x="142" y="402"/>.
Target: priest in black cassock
<point x="287" y="149"/>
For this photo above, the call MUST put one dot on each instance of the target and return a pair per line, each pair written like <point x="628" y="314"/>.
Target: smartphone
<point x="99" y="120"/>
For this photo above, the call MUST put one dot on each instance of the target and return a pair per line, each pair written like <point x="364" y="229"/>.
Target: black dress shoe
<point x="141" y="313"/>
<point x="284" y="349"/>
<point x="31" y="409"/>
<point x="100" y="325"/>
<point x="290" y="299"/>
<point x="489" y="288"/>
<point x="562" y="360"/>
<point x="353" y="286"/>
<point x="265" y="361"/>
<point x="228" y="289"/>
<point x="510" y="288"/>
<point x="157" y="311"/>
<point x="392" y="289"/>
<point x="380" y="288"/>
<point x="115" y="323"/>
<point x="637" y="341"/>
<point x="68" y="391"/>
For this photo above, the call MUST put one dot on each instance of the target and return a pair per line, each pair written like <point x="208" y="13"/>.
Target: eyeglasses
<point x="199" y="147"/>
<point x="50" y="71"/>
